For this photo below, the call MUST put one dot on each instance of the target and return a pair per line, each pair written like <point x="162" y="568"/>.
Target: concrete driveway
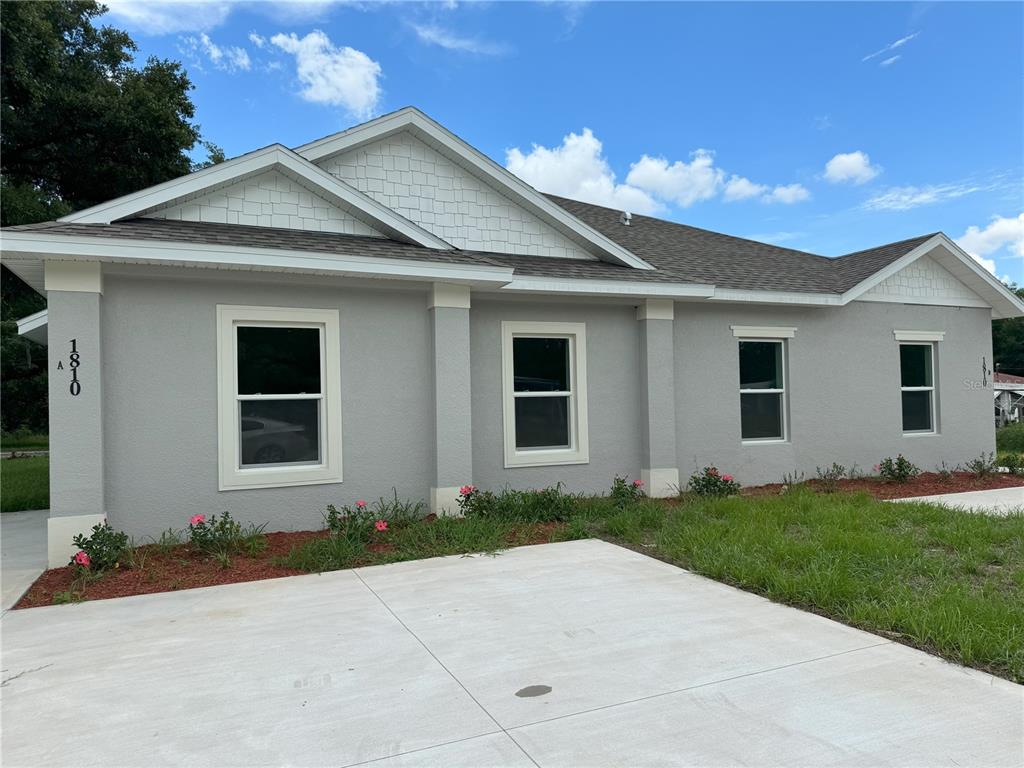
<point x="575" y="654"/>
<point x="22" y="552"/>
<point x="998" y="501"/>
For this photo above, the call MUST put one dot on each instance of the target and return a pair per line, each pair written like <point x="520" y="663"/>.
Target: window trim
<point x="934" y="389"/>
<point x="578" y="451"/>
<point x="230" y="475"/>
<point x="784" y="390"/>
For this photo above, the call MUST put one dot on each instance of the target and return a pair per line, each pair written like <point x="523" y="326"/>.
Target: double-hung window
<point x="917" y="387"/>
<point x="280" y="397"/>
<point x="762" y="390"/>
<point x="544" y="385"/>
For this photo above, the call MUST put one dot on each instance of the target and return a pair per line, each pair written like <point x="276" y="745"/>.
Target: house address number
<point x="74" y="360"/>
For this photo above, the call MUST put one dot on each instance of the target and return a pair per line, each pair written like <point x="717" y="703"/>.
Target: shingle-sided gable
<point x="269" y="199"/>
<point x="428" y="188"/>
<point x="924" y="280"/>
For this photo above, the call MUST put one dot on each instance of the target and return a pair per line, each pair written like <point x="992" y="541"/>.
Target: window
<point x="762" y="390"/>
<point x="544" y="383"/>
<point x="280" y="397"/>
<point x="917" y="387"/>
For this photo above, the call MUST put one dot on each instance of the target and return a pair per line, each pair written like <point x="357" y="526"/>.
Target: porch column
<point x="448" y="305"/>
<point x="659" y="468"/>
<point x="74" y="292"/>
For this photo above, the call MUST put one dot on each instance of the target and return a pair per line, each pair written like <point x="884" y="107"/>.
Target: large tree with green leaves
<point x="1008" y="341"/>
<point x="80" y="123"/>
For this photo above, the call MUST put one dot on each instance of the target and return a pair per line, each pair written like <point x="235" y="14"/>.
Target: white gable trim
<point x="274" y="157"/>
<point x="480" y="165"/>
<point x="34" y="327"/>
<point x="992" y="292"/>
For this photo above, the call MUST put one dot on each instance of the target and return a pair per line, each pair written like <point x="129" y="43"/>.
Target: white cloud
<point x="891" y="47"/>
<point x="854" y="167"/>
<point x="682" y="183"/>
<point x="435" y="35"/>
<point x="227" y="58"/>
<point x="905" y="198"/>
<point x="257" y="39"/>
<point x="163" y="17"/>
<point x="777" y="237"/>
<point x="341" y="77"/>
<point x="890" y="61"/>
<point x="787" y="194"/>
<point x="740" y="188"/>
<point x="1000" y="232"/>
<point x="577" y="169"/>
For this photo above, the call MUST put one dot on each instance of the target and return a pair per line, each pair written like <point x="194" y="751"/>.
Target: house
<point x="1009" y="397"/>
<point x="388" y="308"/>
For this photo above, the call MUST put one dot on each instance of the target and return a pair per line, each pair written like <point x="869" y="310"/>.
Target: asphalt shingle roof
<point x="679" y="253"/>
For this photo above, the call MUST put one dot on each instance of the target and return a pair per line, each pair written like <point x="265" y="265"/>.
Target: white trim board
<point x="918" y="335"/>
<point x="762" y="332"/>
<point x="274" y="157"/>
<point x="474" y="161"/>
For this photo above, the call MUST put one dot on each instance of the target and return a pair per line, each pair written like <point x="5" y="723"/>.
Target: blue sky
<point x="825" y="127"/>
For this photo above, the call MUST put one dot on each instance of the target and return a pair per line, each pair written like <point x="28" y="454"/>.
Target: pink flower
<point x="82" y="559"/>
<point x="466" y="490"/>
<point x="877" y="468"/>
<point x="638" y="483"/>
<point x="197" y="519"/>
<point x="712" y="471"/>
<point x="360" y="504"/>
<point x="381" y="525"/>
<point x="727" y="478"/>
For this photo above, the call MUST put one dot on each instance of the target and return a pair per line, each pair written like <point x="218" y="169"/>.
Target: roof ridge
<point x="922" y="238"/>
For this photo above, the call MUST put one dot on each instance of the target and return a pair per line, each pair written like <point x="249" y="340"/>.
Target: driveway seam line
<point x="702" y="685"/>
<point x="445" y="668"/>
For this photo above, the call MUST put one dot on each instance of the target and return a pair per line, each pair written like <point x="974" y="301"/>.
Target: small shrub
<point x="350" y="523"/>
<point x="168" y="540"/>
<point x="68" y="596"/>
<point x="944" y="472"/>
<point x="1014" y="462"/>
<point x="1011" y="438"/>
<point x="795" y="477"/>
<point x="828" y="478"/>
<point x="330" y="554"/>
<point x="983" y="466"/>
<point x="709" y="482"/>
<point x="544" y="506"/>
<point x="105" y="548"/>
<point x="222" y="536"/>
<point x="898" y="470"/>
<point x="624" y="493"/>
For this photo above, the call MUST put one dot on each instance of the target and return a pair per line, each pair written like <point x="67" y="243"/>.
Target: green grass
<point x="24" y="441"/>
<point x="1011" y="437"/>
<point x="24" y="484"/>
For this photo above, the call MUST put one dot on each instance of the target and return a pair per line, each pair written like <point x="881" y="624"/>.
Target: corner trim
<point x="656" y="309"/>
<point x="448" y="295"/>
<point x="80" y="276"/>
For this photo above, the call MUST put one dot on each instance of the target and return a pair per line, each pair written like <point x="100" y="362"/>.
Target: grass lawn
<point x="24" y="483"/>
<point x="21" y="441"/>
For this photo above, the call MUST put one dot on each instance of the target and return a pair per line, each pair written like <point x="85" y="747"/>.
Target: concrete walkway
<point x="22" y="552"/>
<point x="999" y="501"/>
<point x="574" y="654"/>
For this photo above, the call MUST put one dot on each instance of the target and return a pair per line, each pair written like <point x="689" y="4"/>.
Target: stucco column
<point x="74" y="292"/>
<point x="659" y="469"/>
<point x="448" y="305"/>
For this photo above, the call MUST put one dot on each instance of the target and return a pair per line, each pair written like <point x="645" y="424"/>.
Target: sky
<point x="825" y="127"/>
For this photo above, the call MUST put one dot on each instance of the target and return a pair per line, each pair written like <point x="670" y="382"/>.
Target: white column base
<point x="660" y="483"/>
<point x="445" y="501"/>
<point x="59" y="534"/>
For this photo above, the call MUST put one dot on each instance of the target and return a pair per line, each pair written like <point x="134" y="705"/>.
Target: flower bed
<point x="923" y="484"/>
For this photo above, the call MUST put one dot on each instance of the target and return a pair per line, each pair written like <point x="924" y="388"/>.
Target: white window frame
<point x="934" y="389"/>
<point x="231" y="475"/>
<point x="578" y="451"/>
<point x="763" y="339"/>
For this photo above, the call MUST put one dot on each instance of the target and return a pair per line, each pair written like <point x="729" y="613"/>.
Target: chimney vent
<point x="626" y="218"/>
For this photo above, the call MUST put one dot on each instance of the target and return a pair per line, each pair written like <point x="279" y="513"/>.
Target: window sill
<point x="766" y="441"/>
<point x="545" y="460"/>
<point x="270" y="478"/>
<point x="921" y="434"/>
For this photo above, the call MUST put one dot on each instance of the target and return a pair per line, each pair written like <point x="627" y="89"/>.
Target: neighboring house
<point x="1009" y="396"/>
<point x="388" y="308"/>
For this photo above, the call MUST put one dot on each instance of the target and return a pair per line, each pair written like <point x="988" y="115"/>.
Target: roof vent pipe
<point x="626" y="218"/>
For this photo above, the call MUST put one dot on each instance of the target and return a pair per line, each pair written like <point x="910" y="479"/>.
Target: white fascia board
<point x="34" y="327"/>
<point x="274" y="157"/>
<point x="410" y="117"/>
<point x="1009" y="304"/>
<point x="777" y="297"/>
<point x="39" y="244"/>
<point x="621" y="288"/>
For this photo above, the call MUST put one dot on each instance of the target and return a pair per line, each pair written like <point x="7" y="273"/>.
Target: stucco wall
<point x="441" y="196"/>
<point x="160" y="362"/>
<point x="160" y="407"/>
<point x="843" y="388"/>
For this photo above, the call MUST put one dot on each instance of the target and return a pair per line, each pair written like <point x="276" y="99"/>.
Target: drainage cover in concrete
<point x="533" y="690"/>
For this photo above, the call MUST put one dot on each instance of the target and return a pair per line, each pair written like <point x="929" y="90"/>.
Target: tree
<point x="1008" y="341"/>
<point x="81" y="124"/>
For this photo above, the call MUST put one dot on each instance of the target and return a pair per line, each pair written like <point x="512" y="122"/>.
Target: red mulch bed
<point x="925" y="484"/>
<point x="183" y="568"/>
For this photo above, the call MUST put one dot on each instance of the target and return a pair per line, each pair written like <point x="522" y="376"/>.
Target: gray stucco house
<point x="386" y="307"/>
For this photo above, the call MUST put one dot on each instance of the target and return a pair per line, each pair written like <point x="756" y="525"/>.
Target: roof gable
<point x="473" y="162"/>
<point x="214" y="180"/>
<point x="923" y="281"/>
